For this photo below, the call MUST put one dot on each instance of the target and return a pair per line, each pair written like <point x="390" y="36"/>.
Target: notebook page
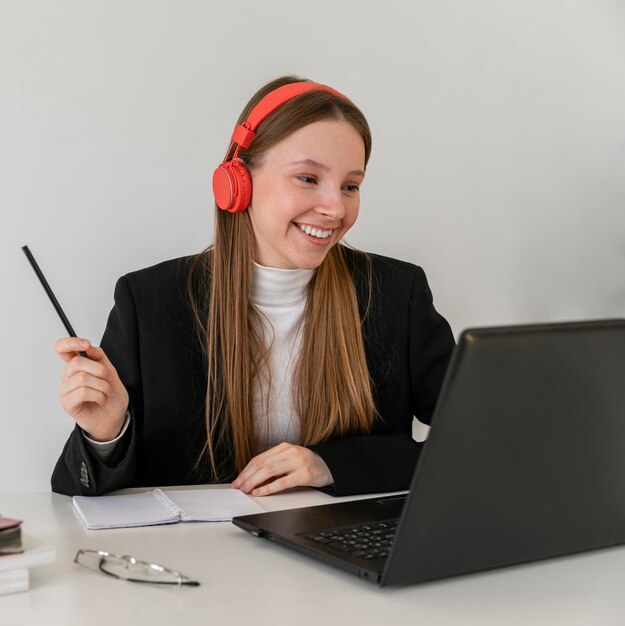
<point x="125" y="511"/>
<point x="213" y="505"/>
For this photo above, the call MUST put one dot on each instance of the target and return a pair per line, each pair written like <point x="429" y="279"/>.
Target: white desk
<point x="248" y="581"/>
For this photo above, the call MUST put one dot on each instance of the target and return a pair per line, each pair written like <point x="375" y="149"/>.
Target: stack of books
<point x="18" y="552"/>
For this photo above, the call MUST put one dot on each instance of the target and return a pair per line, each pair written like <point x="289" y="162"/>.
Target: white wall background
<point x="498" y="162"/>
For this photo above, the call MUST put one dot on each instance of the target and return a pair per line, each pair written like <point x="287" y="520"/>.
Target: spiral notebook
<point x="160" y="507"/>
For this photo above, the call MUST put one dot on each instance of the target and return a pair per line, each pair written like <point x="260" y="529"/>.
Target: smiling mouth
<point x="315" y="232"/>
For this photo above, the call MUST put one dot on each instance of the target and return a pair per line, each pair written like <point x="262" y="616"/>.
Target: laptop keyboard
<point x="367" y="541"/>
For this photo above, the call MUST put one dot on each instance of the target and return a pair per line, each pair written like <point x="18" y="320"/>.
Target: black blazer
<point x="151" y="340"/>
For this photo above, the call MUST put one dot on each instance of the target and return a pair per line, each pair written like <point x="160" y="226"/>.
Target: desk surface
<point x="246" y="580"/>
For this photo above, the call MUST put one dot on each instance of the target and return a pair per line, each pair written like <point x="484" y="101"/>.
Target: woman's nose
<point x="332" y="204"/>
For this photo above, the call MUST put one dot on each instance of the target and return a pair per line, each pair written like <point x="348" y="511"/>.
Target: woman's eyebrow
<point x="324" y="167"/>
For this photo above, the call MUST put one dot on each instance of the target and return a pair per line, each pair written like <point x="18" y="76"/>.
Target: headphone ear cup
<point x="232" y="186"/>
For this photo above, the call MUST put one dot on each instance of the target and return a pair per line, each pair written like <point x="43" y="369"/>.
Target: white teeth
<point x="320" y="234"/>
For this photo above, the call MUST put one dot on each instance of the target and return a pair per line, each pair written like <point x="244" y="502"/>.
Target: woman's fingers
<point x="283" y="467"/>
<point x="83" y="364"/>
<point x="74" y="401"/>
<point x="95" y="364"/>
<point x="250" y="477"/>
<point x="88" y="381"/>
<point x="69" y="347"/>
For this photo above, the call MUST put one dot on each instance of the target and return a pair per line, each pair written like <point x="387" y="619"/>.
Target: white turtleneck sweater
<point x="280" y="296"/>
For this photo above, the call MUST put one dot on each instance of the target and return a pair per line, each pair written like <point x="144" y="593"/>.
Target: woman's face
<point x="305" y="194"/>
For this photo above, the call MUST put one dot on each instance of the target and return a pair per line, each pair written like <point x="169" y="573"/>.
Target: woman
<point x="278" y="357"/>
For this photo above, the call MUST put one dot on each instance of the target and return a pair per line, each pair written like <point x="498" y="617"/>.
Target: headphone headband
<point x="244" y="134"/>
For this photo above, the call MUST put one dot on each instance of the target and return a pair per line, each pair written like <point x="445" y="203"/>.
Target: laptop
<point x="525" y="460"/>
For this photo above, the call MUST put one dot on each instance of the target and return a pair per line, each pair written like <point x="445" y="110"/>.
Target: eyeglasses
<point x="131" y="569"/>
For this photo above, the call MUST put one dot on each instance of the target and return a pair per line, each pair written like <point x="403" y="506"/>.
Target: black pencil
<point x="48" y="290"/>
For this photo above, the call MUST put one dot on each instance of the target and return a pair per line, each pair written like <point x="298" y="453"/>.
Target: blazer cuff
<point x="369" y="463"/>
<point x="79" y="471"/>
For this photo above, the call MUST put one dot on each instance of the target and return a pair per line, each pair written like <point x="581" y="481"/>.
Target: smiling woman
<point x="276" y="358"/>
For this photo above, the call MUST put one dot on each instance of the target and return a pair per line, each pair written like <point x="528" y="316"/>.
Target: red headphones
<point x="232" y="184"/>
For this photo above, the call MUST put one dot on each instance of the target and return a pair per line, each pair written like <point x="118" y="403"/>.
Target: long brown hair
<point x="331" y="386"/>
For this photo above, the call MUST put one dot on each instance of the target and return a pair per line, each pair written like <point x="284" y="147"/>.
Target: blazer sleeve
<point x="386" y="459"/>
<point x="79" y="471"/>
<point x="431" y="343"/>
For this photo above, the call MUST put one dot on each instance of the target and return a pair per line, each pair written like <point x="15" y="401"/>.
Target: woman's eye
<point x="310" y="180"/>
<point x="351" y="188"/>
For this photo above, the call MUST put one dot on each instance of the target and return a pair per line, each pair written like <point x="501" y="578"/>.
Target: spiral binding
<point x="171" y="506"/>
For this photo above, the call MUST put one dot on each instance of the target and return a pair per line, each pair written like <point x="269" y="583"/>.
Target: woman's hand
<point x="282" y="467"/>
<point x="91" y="391"/>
